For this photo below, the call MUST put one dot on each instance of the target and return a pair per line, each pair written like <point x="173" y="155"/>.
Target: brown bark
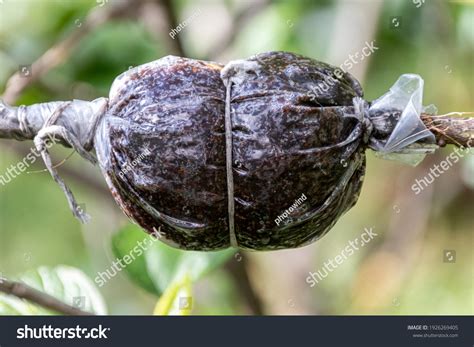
<point x="23" y="291"/>
<point x="457" y="131"/>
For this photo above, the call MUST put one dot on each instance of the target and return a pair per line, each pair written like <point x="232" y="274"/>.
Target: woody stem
<point x="457" y="131"/>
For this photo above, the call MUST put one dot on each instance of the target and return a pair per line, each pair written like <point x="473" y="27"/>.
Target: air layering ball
<point x="162" y="147"/>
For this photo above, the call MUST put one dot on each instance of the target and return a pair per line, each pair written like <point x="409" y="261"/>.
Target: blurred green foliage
<point x="158" y="266"/>
<point x="435" y="40"/>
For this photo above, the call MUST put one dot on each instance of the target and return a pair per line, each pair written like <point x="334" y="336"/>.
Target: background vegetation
<point x="401" y="272"/>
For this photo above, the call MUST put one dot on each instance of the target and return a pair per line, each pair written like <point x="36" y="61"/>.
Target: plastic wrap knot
<point x="396" y="127"/>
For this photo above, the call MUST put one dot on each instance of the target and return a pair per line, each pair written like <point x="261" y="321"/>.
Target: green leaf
<point x="124" y="243"/>
<point x="159" y="265"/>
<point x="65" y="283"/>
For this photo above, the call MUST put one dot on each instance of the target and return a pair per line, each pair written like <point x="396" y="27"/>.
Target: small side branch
<point x="238" y="270"/>
<point x="238" y="22"/>
<point x="23" y="291"/>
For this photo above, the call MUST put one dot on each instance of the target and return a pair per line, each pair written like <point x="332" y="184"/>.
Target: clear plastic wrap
<point x="290" y="136"/>
<point x="410" y="140"/>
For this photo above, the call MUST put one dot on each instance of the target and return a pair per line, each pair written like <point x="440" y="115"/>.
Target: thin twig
<point x="158" y="23"/>
<point x="84" y="179"/>
<point x="172" y="18"/>
<point x="447" y="129"/>
<point x="24" y="291"/>
<point x="238" y="270"/>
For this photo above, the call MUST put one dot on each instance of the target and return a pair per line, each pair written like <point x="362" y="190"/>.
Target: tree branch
<point x="450" y="130"/>
<point x="23" y="291"/>
<point x="447" y="128"/>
